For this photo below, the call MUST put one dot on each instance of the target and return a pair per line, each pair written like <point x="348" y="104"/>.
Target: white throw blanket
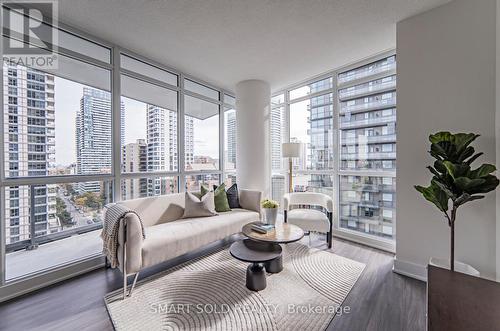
<point x="114" y="215"/>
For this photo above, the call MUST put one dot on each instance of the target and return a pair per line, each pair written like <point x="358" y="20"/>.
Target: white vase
<point x="459" y="266"/>
<point x="271" y="215"/>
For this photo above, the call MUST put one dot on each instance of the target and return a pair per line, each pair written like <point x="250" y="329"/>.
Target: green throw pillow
<point x="220" y="197"/>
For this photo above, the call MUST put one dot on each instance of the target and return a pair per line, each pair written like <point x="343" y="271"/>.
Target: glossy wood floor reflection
<point x="380" y="300"/>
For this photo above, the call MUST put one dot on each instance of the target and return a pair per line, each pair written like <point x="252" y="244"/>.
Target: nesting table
<point x="263" y="251"/>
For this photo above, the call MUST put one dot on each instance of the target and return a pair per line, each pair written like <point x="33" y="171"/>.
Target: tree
<point x="62" y="214"/>
<point x="454" y="183"/>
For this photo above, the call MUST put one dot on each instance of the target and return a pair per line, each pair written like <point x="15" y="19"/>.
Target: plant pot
<point x="271" y="215"/>
<point x="459" y="266"/>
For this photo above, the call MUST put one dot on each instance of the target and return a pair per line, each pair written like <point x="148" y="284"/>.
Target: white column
<point x="253" y="99"/>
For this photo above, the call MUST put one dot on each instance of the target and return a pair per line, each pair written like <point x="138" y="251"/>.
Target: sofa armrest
<point x="134" y="241"/>
<point x="250" y="199"/>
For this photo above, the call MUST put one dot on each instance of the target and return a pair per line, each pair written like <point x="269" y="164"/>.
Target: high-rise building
<point x="278" y="184"/>
<point x="93" y="136"/>
<point x="231" y="140"/>
<point x="188" y="140"/>
<point x="161" y="139"/>
<point x="29" y="114"/>
<point x="276" y="132"/>
<point x="367" y="123"/>
<point x="134" y="159"/>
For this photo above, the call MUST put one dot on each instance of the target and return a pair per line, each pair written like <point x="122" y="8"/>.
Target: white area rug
<point x="209" y="293"/>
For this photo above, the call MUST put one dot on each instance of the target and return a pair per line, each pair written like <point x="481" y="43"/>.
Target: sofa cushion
<point x="159" y="209"/>
<point x="169" y="240"/>
<point x="233" y="196"/>
<point x="220" y="197"/>
<point x="199" y="207"/>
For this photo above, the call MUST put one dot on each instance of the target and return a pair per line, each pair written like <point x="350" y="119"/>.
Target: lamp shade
<point x="291" y="149"/>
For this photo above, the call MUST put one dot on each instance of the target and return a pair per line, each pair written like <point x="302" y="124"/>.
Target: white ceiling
<point x="226" y="41"/>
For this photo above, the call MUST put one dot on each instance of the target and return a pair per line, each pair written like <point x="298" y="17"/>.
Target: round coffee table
<point x="255" y="252"/>
<point x="257" y="246"/>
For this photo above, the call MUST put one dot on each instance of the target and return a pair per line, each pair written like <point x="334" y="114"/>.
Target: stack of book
<point x="262" y="228"/>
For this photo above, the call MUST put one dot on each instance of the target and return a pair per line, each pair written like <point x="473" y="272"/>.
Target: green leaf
<point x="482" y="171"/>
<point x="467" y="184"/>
<point x="439" y="166"/>
<point x="490" y="183"/>
<point x="472" y="159"/>
<point x="461" y="199"/>
<point x="440" y="136"/>
<point x="435" y="195"/>
<point x="437" y="151"/>
<point x="468" y="152"/>
<point x="462" y="140"/>
<point x="434" y="171"/>
<point x="444" y="188"/>
<point x="456" y="170"/>
<point x="466" y="198"/>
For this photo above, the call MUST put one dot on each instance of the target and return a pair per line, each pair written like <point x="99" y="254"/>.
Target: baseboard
<point x="410" y="269"/>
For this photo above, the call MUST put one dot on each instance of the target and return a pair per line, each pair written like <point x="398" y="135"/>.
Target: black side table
<point x="256" y="253"/>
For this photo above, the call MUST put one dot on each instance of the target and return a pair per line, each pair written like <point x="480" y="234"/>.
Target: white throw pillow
<point x="196" y="207"/>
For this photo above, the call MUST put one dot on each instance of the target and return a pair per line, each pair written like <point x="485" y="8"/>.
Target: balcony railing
<point x="346" y="93"/>
<point x="385" y="138"/>
<point x="383" y="103"/>
<point x="368" y="156"/>
<point x="353" y="123"/>
<point x="367" y="72"/>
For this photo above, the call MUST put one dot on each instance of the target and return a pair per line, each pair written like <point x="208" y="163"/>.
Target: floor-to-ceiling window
<point x="230" y="133"/>
<point x="311" y="124"/>
<point x="104" y="125"/>
<point x="149" y="136"/>
<point x="278" y="135"/>
<point x="345" y="121"/>
<point x="367" y="135"/>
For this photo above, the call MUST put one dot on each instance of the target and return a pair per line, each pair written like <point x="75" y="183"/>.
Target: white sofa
<point x="168" y="235"/>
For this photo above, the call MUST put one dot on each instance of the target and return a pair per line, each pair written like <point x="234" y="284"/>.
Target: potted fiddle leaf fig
<point x="270" y="210"/>
<point x="454" y="182"/>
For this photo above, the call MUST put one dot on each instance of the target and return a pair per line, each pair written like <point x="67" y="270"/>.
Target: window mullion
<point x="116" y="124"/>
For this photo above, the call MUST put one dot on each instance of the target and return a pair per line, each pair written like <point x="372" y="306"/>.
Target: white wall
<point x="446" y="81"/>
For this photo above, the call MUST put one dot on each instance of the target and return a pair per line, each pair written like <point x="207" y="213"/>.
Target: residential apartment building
<point x="134" y="159"/>
<point x="231" y="140"/>
<point x="29" y="136"/>
<point x="93" y="136"/>
<point x="367" y="125"/>
<point x="161" y="140"/>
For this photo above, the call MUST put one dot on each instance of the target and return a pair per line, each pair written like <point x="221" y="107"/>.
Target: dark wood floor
<point x="380" y="300"/>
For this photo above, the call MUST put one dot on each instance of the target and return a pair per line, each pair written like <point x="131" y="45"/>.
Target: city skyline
<point x="67" y="103"/>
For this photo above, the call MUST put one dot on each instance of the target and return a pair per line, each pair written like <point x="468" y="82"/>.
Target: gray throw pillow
<point x="196" y="207"/>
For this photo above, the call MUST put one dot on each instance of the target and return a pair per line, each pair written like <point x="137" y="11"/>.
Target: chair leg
<point x="124" y="285"/>
<point x="133" y="284"/>
<point x="329" y="239"/>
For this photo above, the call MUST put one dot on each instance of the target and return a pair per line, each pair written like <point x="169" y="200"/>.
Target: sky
<point x="67" y="102"/>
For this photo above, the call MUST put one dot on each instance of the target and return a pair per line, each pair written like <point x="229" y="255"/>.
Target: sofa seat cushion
<point x="309" y="220"/>
<point x="168" y="240"/>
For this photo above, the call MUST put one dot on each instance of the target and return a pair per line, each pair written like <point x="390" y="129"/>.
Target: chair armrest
<point x="250" y="199"/>
<point x="329" y="204"/>
<point x="133" y="242"/>
<point x="286" y="201"/>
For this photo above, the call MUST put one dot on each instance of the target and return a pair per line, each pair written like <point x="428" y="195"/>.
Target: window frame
<point x="29" y="282"/>
<point x="336" y="172"/>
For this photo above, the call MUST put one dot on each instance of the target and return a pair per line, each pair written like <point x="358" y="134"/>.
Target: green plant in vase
<point x="270" y="210"/>
<point x="454" y="182"/>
